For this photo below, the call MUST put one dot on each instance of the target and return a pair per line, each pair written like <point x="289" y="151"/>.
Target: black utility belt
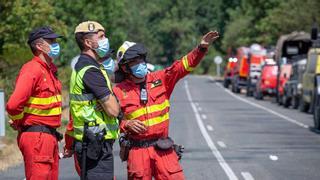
<point x="44" y="129"/>
<point x="143" y="143"/>
<point x="162" y="143"/>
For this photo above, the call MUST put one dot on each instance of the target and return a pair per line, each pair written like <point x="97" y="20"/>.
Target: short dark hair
<point x="33" y="46"/>
<point x="80" y="39"/>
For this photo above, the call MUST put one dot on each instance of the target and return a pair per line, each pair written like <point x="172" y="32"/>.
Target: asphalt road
<point x="228" y="136"/>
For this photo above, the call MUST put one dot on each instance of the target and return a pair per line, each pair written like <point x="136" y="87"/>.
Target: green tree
<point x="289" y="16"/>
<point x="18" y="18"/>
<point x="245" y="22"/>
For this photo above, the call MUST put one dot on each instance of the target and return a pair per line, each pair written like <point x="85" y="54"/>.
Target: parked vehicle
<point x="229" y="71"/>
<point x="248" y="68"/>
<point x="288" y="47"/>
<point x="257" y="56"/>
<point x="267" y="82"/>
<point x="311" y="79"/>
<point x="241" y="70"/>
<point x="293" y="87"/>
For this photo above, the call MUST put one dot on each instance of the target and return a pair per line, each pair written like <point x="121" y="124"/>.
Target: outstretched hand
<point x="209" y="38"/>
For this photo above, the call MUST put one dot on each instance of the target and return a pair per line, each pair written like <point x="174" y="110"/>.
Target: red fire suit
<point x="143" y="163"/>
<point x="36" y="100"/>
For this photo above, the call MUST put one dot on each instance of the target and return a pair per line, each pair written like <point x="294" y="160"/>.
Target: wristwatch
<point x="202" y="49"/>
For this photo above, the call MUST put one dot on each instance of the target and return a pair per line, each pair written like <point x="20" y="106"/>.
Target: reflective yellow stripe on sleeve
<point x="149" y="109"/>
<point x="44" y="101"/>
<point x="186" y="64"/>
<point x="41" y="112"/>
<point x="16" y="117"/>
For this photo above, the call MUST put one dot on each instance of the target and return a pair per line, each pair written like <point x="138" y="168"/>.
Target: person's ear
<point x="44" y="47"/>
<point x="87" y="43"/>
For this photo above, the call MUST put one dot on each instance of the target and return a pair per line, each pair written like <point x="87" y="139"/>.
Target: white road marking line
<point x="222" y="144"/>
<point x="267" y="109"/>
<point x="204" y="116"/>
<point x="210" y="128"/>
<point x="273" y="157"/>
<point x="208" y="139"/>
<point x="247" y="176"/>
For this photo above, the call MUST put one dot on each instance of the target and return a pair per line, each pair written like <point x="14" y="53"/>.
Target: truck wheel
<point x="226" y="83"/>
<point x="249" y="92"/>
<point x="285" y="101"/>
<point x="303" y="106"/>
<point x="295" y="102"/>
<point x="236" y="87"/>
<point x="316" y="117"/>
<point x="259" y="95"/>
<point x="316" y="112"/>
<point x="280" y="100"/>
<point x="233" y="87"/>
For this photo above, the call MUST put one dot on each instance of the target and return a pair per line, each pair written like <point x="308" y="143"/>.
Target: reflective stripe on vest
<point x="82" y="108"/>
<point x="156" y="120"/>
<point x="43" y="112"/>
<point x="81" y="97"/>
<point x="149" y="109"/>
<point x="44" y="101"/>
<point x="110" y="127"/>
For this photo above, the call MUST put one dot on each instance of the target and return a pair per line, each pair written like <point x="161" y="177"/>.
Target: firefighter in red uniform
<point x="144" y="99"/>
<point x="34" y="108"/>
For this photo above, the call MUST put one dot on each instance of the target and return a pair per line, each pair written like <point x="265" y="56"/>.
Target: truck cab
<point x="241" y="70"/>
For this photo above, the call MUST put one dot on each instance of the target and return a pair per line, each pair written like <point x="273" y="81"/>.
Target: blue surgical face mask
<point x="103" y="47"/>
<point x="139" y="70"/>
<point x="54" y="50"/>
<point x="109" y="65"/>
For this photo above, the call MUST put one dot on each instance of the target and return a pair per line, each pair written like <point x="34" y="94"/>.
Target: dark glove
<point x="179" y="149"/>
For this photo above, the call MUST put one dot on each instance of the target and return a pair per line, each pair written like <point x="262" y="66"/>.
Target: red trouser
<point x="143" y="163"/>
<point x="40" y="154"/>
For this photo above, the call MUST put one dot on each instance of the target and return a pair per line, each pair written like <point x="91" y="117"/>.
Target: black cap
<point x="43" y="32"/>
